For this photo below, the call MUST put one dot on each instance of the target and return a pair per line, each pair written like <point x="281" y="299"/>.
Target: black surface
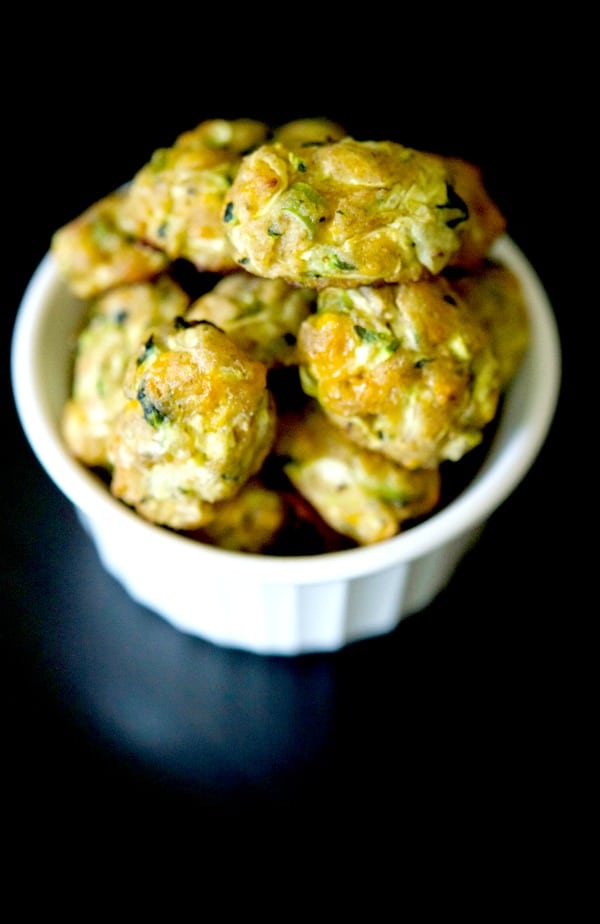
<point x="455" y="720"/>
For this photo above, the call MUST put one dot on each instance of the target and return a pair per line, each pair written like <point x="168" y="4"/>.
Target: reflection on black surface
<point x="140" y="702"/>
<point x="113" y="715"/>
<point x="196" y="715"/>
<point x="190" y="714"/>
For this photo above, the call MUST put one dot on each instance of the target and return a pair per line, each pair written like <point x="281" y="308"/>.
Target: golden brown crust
<point x="359" y="493"/>
<point x="351" y="213"/>
<point x="302" y="133"/>
<point x="495" y="294"/>
<point x="175" y="202"/>
<point x="117" y="323"/>
<point x="406" y="370"/>
<point x="95" y="252"/>
<point x="485" y="223"/>
<point x="199" y="423"/>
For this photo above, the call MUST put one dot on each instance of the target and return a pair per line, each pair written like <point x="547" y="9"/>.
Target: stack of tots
<point x="349" y="333"/>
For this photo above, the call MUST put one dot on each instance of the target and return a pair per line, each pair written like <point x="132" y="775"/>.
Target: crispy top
<point x="116" y="325"/>
<point x="350" y="213"/>
<point x="95" y="251"/>
<point x="198" y="424"/>
<point x="175" y="201"/>
<point x="407" y="370"/>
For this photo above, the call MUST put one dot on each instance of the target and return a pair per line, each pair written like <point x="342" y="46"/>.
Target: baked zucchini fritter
<point x="262" y="316"/>
<point x="198" y="424"/>
<point x="485" y="222"/>
<point x="359" y="493"/>
<point x="406" y="370"/>
<point x="175" y="202"/>
<point x="95" y="252"/>
<point x="494" y="293"/>
<point x="117" y="324"/>
<point x="351" y="213"/>
<point x="302" y="133"/>
<point x="248" y="522"/>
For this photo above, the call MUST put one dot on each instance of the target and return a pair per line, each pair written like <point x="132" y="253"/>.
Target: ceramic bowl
<point x="271" y="604"/>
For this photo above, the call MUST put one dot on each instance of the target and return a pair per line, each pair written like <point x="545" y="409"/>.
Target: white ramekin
<point x="266" y="604"/>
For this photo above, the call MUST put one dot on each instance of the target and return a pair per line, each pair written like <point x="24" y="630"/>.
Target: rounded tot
<point x="199" y="423"/>
<point x="406" y="370"/>
<point x="349" y="213"/>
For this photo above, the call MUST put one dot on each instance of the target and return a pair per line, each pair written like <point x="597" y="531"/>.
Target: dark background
<point x="457" y="721"/>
